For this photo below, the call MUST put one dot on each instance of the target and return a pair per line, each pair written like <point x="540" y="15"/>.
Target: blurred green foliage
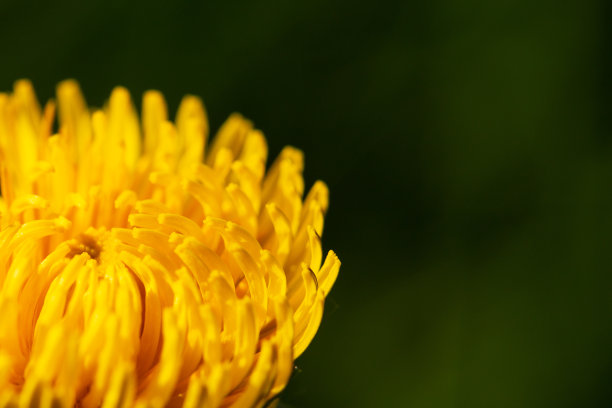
<point x="469" y="156"/>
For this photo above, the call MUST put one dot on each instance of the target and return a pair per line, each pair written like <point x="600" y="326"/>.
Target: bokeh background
<point x="468" y="149"/>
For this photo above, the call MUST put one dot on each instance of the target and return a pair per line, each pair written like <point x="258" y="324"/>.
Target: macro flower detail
<point x="140" y="267"/>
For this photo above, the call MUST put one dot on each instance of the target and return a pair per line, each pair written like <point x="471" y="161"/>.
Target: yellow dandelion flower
<point x="136" y="270"/>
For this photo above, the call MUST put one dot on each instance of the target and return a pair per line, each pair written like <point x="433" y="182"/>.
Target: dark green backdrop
<point x="468" y="152"/>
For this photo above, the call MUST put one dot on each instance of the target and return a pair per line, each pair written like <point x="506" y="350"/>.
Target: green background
<point x="468" y="151"/>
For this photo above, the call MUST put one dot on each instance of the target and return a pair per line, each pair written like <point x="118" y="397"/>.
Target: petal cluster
<point x="141" y="267"/>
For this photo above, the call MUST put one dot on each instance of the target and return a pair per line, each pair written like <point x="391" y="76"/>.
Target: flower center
<point x="85" y="243"/>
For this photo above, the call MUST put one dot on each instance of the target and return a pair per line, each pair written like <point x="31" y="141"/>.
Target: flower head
<point x="139" y="267"/>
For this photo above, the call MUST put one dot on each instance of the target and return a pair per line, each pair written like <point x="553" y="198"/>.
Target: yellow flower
<point x="135" y="270"/>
